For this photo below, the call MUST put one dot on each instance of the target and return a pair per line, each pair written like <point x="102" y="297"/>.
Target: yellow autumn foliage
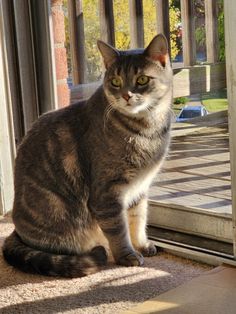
<point x="122" y="30"/>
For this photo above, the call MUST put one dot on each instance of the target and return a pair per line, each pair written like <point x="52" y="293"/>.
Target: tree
<point x="92" y="34"/>
<point x="200" y="32"/>
<point x="221" y="30"/>
<point x="175" y="20"/>
<point x="122" y="27"/>
<point x="121" y="19"/>
<point x="122" y="31"/>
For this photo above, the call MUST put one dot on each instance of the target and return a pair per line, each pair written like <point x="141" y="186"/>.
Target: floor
<point x="211" y="293"/>
<point x="112" y="290"/>
<point x="197" y="170"/>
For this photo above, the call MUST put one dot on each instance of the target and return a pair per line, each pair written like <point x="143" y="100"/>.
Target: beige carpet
<point x="112" y="290"/>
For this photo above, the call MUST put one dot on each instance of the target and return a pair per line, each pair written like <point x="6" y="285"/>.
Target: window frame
<point x="230" y="45"/>
<point x="7" y="138"/>
<point x="181" y="78"/>
<point x="28" y="86"/>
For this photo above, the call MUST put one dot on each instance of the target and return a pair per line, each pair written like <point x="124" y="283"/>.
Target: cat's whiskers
<point x="107" y="113"/>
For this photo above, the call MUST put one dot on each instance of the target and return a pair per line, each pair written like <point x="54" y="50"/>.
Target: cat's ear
<point x="157" y="50"/>
<point x="108" y="53"/>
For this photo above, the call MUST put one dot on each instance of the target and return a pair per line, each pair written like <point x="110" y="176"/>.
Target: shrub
<point x="180" y="100"/>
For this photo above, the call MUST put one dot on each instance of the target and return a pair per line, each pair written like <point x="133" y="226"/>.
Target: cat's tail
<point x="29" y="260"/>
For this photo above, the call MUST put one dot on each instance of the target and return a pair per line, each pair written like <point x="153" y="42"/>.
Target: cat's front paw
<point x="149" y="250"/>
<point x="132" y="259"/>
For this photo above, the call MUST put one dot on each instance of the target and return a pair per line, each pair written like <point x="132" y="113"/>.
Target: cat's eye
<point x="142" y="80"/>
<point x="116" y="82"/>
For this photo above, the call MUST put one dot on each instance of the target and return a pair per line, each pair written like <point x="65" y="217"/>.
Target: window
<point x="184" y="212"/>
<point x="186" y="199"/>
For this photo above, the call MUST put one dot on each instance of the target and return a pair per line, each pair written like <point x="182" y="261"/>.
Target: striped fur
<point x="29" y="260"/>
<point x="82" y="173"/>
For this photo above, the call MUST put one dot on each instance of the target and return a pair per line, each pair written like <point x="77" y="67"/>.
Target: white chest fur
<point x="139" y="185"/>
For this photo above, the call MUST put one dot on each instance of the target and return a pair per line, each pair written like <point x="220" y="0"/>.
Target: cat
<point x="82" y="173"/>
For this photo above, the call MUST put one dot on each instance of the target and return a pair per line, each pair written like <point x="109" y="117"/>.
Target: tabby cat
<point x="82" y="173"/>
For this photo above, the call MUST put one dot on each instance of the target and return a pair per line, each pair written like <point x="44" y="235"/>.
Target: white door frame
<point x="230" y="46"/>
<point x="7" y="138"/>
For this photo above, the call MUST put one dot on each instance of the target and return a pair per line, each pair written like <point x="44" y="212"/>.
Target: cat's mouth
<point x="136" y="108"/>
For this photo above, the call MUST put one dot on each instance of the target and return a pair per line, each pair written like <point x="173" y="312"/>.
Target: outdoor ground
<point x="196" y="172"/>
<point x="213" y="101"/>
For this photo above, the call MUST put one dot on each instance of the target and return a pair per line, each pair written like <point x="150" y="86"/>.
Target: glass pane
<point x="196" y="174"/>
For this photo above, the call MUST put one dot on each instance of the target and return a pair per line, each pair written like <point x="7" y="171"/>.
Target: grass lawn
<point x="214" y="104"/>
<point x="215" y="101"/>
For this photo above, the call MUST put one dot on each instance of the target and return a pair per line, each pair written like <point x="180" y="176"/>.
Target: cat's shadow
<point x="92" y="298"/>
<point x="102" y="290"/>
<point x="11" y="276"/>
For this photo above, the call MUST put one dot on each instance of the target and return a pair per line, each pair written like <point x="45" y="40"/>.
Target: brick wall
<point x="60" y="52"/>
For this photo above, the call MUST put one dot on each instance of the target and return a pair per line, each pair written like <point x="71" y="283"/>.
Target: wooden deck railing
<point x="107" y="31"/>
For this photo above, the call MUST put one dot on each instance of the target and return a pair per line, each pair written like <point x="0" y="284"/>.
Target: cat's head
<point x="136" y="80"/>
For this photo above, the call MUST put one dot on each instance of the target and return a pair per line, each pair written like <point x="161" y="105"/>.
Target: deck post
<point x="107" y="21"/>
<point x="76" y="25"/>
<point x="136" y="23"/>
<point x="163" y="21"/>
<point x="188" y="30"/>
<point x="230" y="45"/>
<point x="212" y="39"/>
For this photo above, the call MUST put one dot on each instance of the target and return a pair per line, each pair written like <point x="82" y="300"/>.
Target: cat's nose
<point x="126" y="97"/>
